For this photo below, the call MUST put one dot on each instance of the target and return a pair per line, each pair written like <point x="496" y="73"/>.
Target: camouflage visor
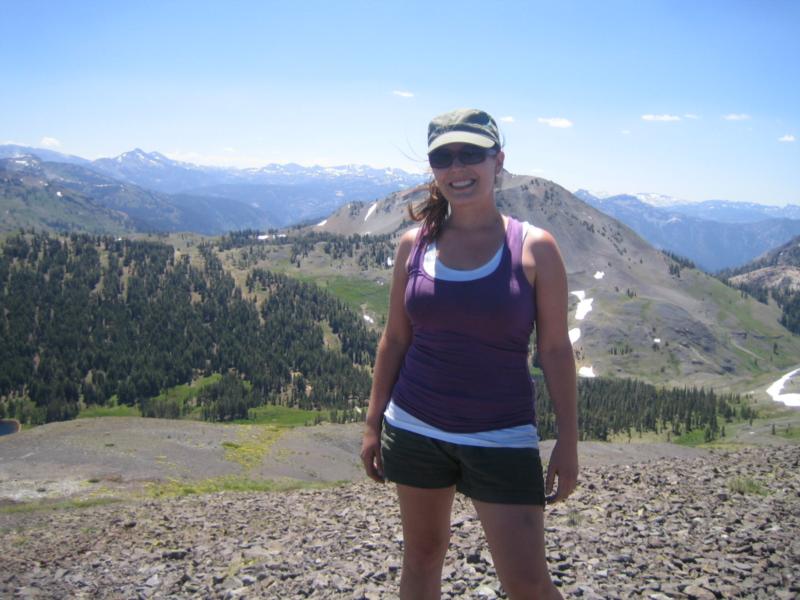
<point x="463" y="126"/>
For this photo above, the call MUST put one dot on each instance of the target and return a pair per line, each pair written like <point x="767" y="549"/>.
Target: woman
<point x="452" y="402"/>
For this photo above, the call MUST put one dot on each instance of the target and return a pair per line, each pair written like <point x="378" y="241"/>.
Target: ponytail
<point x="432" y="212"/>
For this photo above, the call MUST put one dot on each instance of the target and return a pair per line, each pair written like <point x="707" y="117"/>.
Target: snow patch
<point x="321" y="223"/>
<point x="586" y="372"/>
<point x="389" y="262"/>
<point x="774" y="390"/>
<point x="59" y="194"/>
<point x="656" y="340"/>
<point x="371" y="210"/>
<point x="599" y="274"/>
<point x="369" y="319"/>
<point x="584" y="305"/>
<point x="574" y="334"/>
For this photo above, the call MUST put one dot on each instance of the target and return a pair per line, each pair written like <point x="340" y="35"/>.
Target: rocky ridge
<point x="722" y="525"/>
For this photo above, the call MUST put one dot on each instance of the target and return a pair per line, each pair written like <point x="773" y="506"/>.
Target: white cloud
<point x="787" y="138"/>
<point x="49" y="142"/>
<point x="559" y="122"/>
<point x="736" y="117"/>
<point x="507" y="119"/>
<point x="691" y="116"/>
<point x="403" y="94"/>
<point x="663" y="118"/>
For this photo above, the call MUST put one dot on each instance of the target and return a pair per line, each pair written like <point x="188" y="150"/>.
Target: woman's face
<point x="460" y="182"/>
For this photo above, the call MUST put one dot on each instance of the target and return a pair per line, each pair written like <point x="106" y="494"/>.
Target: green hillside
<point x="27" y="204"/>
<point x="86" y="319"/>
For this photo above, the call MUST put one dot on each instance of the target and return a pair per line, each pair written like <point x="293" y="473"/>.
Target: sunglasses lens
<point x="468" y="155"/>
<point x="440" y="159"/>
<point x="472" y="156"/>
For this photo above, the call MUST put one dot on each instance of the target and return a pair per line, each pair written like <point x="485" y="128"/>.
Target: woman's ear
<point x="498" y="162"/>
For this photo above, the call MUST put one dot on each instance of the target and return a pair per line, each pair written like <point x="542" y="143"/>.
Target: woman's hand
<point x="371" y="453"/>
<point x="564" y="466"/>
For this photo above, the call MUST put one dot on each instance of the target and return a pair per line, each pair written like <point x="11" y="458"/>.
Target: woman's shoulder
<point x="410" y="237"/>
<point x="538" y="242"/>
<point x="530" y="232"/>
<point x="406" y="242"/>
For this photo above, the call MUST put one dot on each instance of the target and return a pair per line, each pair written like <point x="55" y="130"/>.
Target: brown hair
<point x="432" y="212"/>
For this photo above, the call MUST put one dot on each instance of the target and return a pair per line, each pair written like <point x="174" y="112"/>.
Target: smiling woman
<point x="452" y="401"/>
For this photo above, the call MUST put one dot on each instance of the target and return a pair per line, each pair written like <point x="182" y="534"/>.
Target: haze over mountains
<point x="209" y="200"/>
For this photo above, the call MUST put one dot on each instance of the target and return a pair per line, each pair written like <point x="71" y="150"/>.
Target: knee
<point x="425" y="555"/>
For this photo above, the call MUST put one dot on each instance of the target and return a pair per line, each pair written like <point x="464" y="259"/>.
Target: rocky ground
<point x="712" y="525"/>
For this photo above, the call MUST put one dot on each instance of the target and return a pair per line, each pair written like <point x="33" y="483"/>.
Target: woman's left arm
<point x="543" y="263"/>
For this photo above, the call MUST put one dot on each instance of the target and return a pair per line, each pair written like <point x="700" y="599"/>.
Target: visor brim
<point x="461" y="137"/>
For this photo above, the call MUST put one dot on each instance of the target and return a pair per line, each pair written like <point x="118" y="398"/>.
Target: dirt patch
<point x="91" y="457"/>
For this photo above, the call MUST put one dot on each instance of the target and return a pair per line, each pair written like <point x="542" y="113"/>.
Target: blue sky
<point x="694" y="99"/>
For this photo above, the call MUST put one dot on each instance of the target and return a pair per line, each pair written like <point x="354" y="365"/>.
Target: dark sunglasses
<point x="442" y="158"/>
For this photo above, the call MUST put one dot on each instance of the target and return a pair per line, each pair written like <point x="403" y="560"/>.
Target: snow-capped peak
<point x="659" y="200"/>
<point x="139" y="158"/>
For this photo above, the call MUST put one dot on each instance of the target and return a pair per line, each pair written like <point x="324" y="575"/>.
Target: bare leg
<point x="515" y="533"/>
<point x="426" y="535"/>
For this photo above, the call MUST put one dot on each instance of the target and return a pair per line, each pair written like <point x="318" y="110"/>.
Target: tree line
<point x="608" y="407"/>
<point x="367" y="250"/>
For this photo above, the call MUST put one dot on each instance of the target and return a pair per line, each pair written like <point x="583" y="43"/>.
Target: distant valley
<point x="715" y="235"/>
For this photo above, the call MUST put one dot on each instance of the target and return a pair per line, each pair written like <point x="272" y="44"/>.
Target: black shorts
<point x="500" y="475"/>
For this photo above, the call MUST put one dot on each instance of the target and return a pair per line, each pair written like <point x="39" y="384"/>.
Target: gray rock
<point x="668" y="535"/>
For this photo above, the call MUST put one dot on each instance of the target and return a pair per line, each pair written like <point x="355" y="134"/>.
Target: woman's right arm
<point x="391" y="351"/>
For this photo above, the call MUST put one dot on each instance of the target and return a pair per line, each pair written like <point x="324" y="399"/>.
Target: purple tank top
<point x="466" y="369"/>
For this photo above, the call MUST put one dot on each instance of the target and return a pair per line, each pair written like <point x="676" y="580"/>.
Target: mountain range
<point x="147" y="191"/>
<point x="715" y="210"/>
<point x="208" y="200"/>
<point x="715" y="234"/>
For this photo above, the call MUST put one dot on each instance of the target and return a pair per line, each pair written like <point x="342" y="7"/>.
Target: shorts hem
<point x="521" y="497"/>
